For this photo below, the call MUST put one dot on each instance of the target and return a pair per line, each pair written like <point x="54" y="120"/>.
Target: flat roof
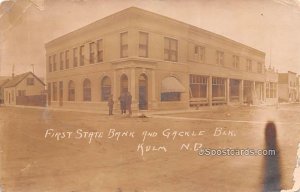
<point x="135" y="10"/>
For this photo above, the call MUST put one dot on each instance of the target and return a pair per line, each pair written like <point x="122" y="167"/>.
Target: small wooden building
<point x="25" y="89"/>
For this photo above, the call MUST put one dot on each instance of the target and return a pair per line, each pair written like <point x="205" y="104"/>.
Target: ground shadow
<point x="272" y="173"/>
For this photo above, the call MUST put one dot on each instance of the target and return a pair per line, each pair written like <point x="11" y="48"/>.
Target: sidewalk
<point x="136" y="113"/>
<point x="55" y="109"/>
<point x="149" y="113"/>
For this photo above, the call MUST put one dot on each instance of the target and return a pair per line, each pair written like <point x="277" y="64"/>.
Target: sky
<point x="272" y="26"/>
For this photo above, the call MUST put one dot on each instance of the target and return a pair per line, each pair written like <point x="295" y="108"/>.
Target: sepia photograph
<point x="149" y="96"/>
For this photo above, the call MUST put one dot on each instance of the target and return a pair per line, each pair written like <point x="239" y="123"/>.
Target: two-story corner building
<point x="287" y="84"/>
<point x="24" y="89"/>
<point x="162" y="62"/>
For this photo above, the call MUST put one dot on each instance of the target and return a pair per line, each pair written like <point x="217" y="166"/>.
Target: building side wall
<point x="283" y="78"/>
<point x="283" y="94"/>
<point x="10" y="96"/>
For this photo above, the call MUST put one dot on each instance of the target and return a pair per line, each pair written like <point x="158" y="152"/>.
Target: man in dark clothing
<point x="122" y="99"/>
<point x="110" y="105"/>
<point x="128" y="102"/>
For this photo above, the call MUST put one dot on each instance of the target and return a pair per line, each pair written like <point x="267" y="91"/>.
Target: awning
<point x="171" y="84"/>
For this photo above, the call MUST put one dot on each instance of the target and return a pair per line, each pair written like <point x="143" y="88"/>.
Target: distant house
<point x="25" y="89"/>
<point x="287" y="85"/>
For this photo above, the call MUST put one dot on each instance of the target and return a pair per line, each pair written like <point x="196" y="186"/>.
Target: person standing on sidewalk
<point x="128" y="102"/>
<point x="122" y="99"/>
<point x="110" y="105"/>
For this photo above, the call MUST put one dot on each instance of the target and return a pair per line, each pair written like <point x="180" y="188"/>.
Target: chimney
<point x="32" y="65"/>
<point x="13" y="71"/>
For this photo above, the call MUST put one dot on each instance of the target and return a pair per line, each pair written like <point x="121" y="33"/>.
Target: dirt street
<point x="60" y="151"/>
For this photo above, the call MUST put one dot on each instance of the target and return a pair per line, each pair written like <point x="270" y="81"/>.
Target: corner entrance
<point x="124" y="84"/>
<point x="143" y="92"/>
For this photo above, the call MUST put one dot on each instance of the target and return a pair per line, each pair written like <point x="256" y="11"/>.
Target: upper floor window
<point x="143" y="44"/>
<point x="50" y="64"/>
<point x="92" y="52"/>
<point x="99" y="50"/>
<point x="199" y="53"/>
<point x="124" y="44"/>
<point x="75" y="58"/>
<point x="236" y="61"/>
<point x="30" y="81"/>
<point x="220" y="57"/>
<point x="67" y="59"/>
<point x="249" y="65"/>
<point x="61" y="59"/>
<point x="171" y="49"/>
<point x="259" y="68"/>
<point x="81" y="54"/>
<point x="54" y="62"/>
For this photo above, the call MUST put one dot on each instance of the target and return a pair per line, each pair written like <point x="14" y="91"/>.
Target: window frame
<point x="54" y="91"/>
<point x="199" y="53"/>
<point x="259" y="67"/>
<point x="71" y="97"/>
<point x="170" y="97"/>
<point x="104" y="93"/>
<point x="81" y="55"/>
<point x="54" y="62"/>
<point x="143" y="47"/>
<point x="236" y="61"/>
<point x="99" y="50"/>
<point x="67" y="60"/>
<point x="30" y="81"/>
<point x="87" y="91"/>
<point x="75" y="57"/>
<point x="249" y="65"/>
<point x="61" y="61"/>
<point x="124" y="45"/>
<point x="218" y="83"/>
<point x="92" y="47"/>
<point x="220" y="58"/>
<point x="168" y="49"/>
<point x="50" y="63"/>
<point x="200" y="83"/>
